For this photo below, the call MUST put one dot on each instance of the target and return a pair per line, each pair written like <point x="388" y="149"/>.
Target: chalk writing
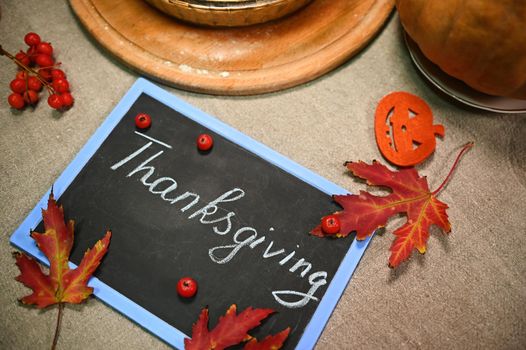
<point x="213" y="213"/>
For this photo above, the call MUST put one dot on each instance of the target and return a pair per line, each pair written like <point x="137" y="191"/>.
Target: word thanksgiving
<point x="210" y="213"/>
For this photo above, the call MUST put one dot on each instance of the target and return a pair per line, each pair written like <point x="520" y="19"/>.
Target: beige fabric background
<point x="467" y="292"/>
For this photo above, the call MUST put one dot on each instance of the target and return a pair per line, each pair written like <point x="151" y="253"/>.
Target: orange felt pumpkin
<point x="482" y="42"/>
<point x="404" y="129"/>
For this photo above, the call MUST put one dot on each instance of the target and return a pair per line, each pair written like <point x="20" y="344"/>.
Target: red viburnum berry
<point x="67" y="99"/>
<point x="32" y="39"/>
<point x="34" y="84"/>
<point x="31" y="97"/>
<point x="60" y="85"/>
<point x="23" y="58"/>
<point x="45" y="48"/>
<point x="16" y="100"/>
<point x="18" y="85"/>
<point x="44" y="61"/>
<point x="55" y="101"/>
<point x="58" y="74"/>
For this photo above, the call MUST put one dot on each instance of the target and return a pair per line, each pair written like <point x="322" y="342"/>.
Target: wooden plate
<point x="234" y="61"/>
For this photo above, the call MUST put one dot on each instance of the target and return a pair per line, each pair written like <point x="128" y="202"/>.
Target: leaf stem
<point x="57" y="328"/>
<point x="464" y="149"/>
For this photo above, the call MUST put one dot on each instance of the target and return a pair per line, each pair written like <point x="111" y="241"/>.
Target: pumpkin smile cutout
<point x="404" y="129"/>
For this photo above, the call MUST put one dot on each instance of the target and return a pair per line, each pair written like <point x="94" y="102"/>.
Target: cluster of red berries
<point x="38" y="69"/>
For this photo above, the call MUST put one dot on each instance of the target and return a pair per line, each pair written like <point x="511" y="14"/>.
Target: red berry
<point x="16" y="101"/>
<point x="34" y="84"/>
<point x="143" y="121"/>
<point x="45" y="48"/>
<point x="31" y="97"/>
<point x="32" y="53"/>
<point x="45" y="74"/>
<point x="32" y="39"/>
<point x="22" y="75"/>
<point x="55" y="101"/>
<point x="187" y="287"/>
<point x="58" y="74"/>
<point x="67" y="99"/>
<point x="330" y="224"/>
<point x="204" y="142"/>
<point x="60" y="85"/>
<point x="23" y="58"/>
<point x="44" y="61"/>
<point x="18" y="85"/>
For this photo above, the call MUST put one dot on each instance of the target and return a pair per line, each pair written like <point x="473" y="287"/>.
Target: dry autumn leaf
<point x="231" y="330"/>
<point x="364" y="213"/>
<point x="62" y="285"/>
<point x="271" y="342"/>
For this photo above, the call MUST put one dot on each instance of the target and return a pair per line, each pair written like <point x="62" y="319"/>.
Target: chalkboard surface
<point x="229" y="218"/>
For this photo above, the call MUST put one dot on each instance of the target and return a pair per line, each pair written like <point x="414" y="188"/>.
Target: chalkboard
<point x="236" y="219"/>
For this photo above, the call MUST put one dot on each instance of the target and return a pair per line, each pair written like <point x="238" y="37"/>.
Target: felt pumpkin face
<point x="482" y="42"/>
<point x="404" y="129"/>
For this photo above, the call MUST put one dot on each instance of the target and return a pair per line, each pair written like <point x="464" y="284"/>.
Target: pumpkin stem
<point x="464" y="149"/>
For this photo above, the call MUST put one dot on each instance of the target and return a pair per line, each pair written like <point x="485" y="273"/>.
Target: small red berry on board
<point x="205" y="142"/>
<point x="330" y="224"/>
<point x="187" y="287"/>
<point x="143" y="121"/>
<point x="38" y="69"/>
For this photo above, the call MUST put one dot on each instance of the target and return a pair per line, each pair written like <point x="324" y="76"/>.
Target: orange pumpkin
<point x="482" y="42"/>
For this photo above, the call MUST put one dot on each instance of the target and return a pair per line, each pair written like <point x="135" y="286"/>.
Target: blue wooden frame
<point x="160" y="328"/>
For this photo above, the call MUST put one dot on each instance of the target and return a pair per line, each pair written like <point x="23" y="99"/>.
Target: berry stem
<point x="27" y="69"/>
<point x="464" y="149"/>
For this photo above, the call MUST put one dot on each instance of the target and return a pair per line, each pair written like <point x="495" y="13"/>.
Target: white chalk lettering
<point x="183" y="197"/>
<point x="130" y="157"/>
<point x="301" y="262"/>
<point x="316" y="280"/>
<point x="287" y="258"/>
<point x="224" y="198"/>
<point x="167" y="190"/>
<point x="267" y="254"/>
<point x="221" y="221"/>
<point x="150" y="169"/>
<point x="228" y="218"/>
<point x="257" y="242"/>
<point x="234" y="247"/>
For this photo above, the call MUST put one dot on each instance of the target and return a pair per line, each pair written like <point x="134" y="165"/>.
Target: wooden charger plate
<point x="234" y="61"/>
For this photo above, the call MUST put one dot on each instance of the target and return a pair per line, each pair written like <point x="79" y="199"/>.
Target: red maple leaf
<point x="271" y="342"/>
<point x="62" y="285"/>
<point x="232" y="329"/>
<point x="364" y="213"/>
